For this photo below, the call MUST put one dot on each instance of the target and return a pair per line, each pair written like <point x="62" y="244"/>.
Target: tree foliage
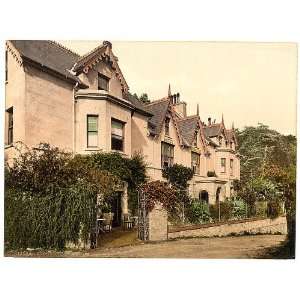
<point x="268" y="169"/>
<point x="159" y="192"/>
<point x="178" y="175"/>
<point x="51" y="197"/>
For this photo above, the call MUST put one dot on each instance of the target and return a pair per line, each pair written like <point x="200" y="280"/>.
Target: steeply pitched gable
<point x="101" y="53"/>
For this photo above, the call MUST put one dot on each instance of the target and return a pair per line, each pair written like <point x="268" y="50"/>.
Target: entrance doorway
<point x="218" y="195"/>
<point x="116" y="209"/>
<point x="203" y="196"/>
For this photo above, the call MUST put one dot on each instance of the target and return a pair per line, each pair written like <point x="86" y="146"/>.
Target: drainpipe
<point x="74" y="127"/>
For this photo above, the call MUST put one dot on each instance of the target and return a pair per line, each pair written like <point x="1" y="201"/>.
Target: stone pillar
<point x="158" y="223"/>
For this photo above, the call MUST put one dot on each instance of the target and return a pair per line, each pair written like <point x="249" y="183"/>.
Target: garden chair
<point x="127" y="222"/>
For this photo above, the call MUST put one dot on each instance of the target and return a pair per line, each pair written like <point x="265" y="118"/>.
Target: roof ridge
<point x="189" y="117"/>
<point x="215" y="124"/>
<point x="92" y="50"/>
<point x="157" y="101"/>
<point x="63" y="47"/>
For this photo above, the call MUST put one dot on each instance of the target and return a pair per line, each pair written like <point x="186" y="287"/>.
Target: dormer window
<point x="103" y="82"/>
<point x="195" y="138"/>
<point x="220" y="141"/>
<point x="167" y="126"/>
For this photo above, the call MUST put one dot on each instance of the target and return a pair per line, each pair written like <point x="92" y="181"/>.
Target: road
<point x="227" y="247"/>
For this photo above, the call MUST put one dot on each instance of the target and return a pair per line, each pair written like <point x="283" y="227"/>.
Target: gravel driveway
<point x="226" y="247"/>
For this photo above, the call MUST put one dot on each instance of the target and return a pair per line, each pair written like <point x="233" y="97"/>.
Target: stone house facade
<point x="82" y="104"/>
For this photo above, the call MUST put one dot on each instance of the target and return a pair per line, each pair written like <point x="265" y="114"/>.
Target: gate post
<point x="158" y="223"/>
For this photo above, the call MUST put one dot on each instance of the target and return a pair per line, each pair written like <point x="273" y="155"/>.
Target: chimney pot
<point x="209" y="121"/>
<point x="107" y="43"/>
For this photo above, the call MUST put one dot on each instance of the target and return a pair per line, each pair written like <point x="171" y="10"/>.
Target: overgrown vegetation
<point x="51" y="197"/>
<point x="268" y="171"/>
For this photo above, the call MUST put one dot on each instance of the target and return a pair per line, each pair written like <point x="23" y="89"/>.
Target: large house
<point x="82" y="104"/>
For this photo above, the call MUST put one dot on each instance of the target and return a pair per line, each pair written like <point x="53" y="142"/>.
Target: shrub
<point x="274" y="209"/>
<point x="211" y="174"/>
<point x="178" y="175"/>
<point x="51" y="197"/>
<point x="198" y="212"/>
<point x="239" y="209"/>
<point x="159" y="192"/>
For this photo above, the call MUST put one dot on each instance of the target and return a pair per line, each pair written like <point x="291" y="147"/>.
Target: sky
<point x="247" y="82"/>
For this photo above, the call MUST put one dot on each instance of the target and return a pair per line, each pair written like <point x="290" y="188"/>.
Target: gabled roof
<point x="100" y="53"/>
<point x="187" y="127"/>
<point x="231" y="135"/>
<point x="212" y="130"/>
<point x="48" y="55"/>
<point x="158" y="109"/>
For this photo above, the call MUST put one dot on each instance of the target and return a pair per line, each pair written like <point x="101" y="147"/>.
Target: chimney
<point x="178" y="97"/>
<point x="108" y="44"/>
<point x="209" y="121"/>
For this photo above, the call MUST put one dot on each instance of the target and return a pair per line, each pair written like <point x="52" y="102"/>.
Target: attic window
<point x="195" y="138"/>
<point x="220" y="141"/>
<point x="167" y="126"/>
<point x="103" y="82"/>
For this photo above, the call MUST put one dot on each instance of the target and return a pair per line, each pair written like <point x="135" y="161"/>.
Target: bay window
<point x="117" y="135"/>
<point x="92" y="131"/>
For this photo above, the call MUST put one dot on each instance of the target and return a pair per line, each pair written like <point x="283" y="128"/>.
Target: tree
<point x="268" y="169"/>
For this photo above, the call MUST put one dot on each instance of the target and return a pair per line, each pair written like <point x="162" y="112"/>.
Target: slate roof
<point x="50" y="55"/>
<point x="85" y="58"/>
<point x="212" y="130"/>
<point x="138" y="105"/>
<point x="187" y="127"/>
<point x="158" y="109"/>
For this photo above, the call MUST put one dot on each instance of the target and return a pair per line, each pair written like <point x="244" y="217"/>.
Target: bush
<point x="211" y="174"/>
<point x="198" y="212"/>
<point x="239" y="209"/>
<point x="178" y="175"/>
<point x="159" y="192"/>
<point x="51" y="197"/>
<point x="274" y="209"/>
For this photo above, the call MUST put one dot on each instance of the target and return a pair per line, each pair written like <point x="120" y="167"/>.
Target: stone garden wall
<point x="238" y="227"/>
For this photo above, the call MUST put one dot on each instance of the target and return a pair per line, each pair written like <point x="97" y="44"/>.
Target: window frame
<point x="195" y="143"/>
<point x="102" y="76"/>
<point x="195" y="167"/>
<point x="223" y="167"/>
<point x="122" y="137"/>
<point x="231" y="166"/>
<point x="10" y="125"/>
<point x="167" y="158"/>
<point x="167" y="126"/>
<point x="87" y="130"/>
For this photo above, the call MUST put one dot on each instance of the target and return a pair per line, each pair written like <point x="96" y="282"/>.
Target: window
<point x="195" y="139"/>
<point x="196" y="163"/>
<point x="220" y="141"/>
<point x="103" y="82"/>
<point x="167" y="155"/>
<point x="6" y="66"/>
<point x="92" y="131"/>
<point x="10" y="127"/>
<point x="231" y="166"/>
<point x="117" y="135"/>
<point x="223" y="165"/>
<point x="167" y="126"/>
